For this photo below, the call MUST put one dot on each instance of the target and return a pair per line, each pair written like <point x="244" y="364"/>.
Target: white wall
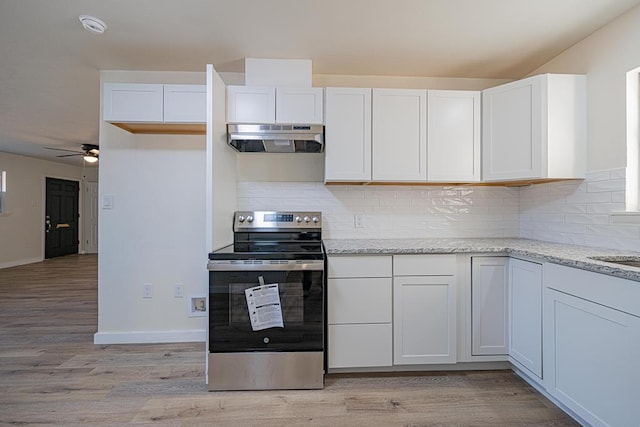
<point x="22" y="229"/>
<point x="155" y="232"/>
<point x="605" y="57"/>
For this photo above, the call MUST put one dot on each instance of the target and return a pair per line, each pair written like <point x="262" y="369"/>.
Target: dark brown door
<point x="61" y="220"/>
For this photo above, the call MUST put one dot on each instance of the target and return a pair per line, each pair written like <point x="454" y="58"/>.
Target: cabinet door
<point x="424" y="320"/>
<point x="347" y="134"/>
<point x="251" y="104"/>
<point x="592" y="359"/>
<point x="359" y="345"/>
<point x="185" y="103"/>
<point x="489" y="301"/>
<point x="399" y="135"/>
<point x="302" y="105"/>
<point x="511" y="128"/>
<point x="525" y="315"/>
<point x="126" y="102"/>
<point x="453" y="136"/>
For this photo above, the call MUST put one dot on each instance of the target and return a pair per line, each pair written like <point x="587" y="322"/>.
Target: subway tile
<point x="618" y="173"/>
<point x="604" y="208"/>
<point x="603" y="175"/>
<point x="586" y="219"/>
<point x="618" y="197"/>
<point x="610" y="185"/>
<point x="571" y="212"/>
<point x="623" y="231"/>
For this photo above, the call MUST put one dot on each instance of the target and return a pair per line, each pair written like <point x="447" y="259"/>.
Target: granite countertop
<point x="557" y="253"/>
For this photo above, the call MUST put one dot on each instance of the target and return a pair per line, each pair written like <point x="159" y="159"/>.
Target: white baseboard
<point x="150" y="337"/>
<point x="20" y="262"/>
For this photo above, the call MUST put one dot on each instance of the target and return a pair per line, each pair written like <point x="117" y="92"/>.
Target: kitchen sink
<point x="630" y="261"/>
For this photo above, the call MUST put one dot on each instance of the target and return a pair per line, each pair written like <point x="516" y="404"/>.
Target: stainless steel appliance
<point x="266" y="304"/>
<point x="255" y="138"/>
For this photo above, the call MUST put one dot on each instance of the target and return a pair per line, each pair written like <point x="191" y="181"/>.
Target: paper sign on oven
<point x="264" y="307"/>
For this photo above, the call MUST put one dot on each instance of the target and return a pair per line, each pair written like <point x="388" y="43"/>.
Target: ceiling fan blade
<point x="70" y="155"/>
<point x="61" y="149"/>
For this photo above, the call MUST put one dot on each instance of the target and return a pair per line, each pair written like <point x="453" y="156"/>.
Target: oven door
<point x="298" y="321"/>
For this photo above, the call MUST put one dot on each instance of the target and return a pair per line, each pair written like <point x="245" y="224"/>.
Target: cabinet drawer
<point x="615" y="292"/>
<point x="359" y="346"/>
<point x="360" y="266"/>
<point x="366" y="300"/>
<point x="424" y="265"/>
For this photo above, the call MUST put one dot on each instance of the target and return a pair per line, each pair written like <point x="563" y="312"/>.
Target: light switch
<point x="107" y="201"/>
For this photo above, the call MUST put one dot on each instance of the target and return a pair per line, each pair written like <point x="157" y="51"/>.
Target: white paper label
<point x="264" y="307"/>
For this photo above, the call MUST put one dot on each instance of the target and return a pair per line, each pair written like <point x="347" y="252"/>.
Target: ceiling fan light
<point x="90" y="159"/>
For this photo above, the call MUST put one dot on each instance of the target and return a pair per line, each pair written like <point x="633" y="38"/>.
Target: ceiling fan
<point x="91" y="152"/>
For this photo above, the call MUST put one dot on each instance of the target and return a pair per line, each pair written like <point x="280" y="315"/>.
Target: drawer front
<point x="424" y="265"/>
<point x="359" y="346"/>
<point x="615" y="292"/>
<point x="366" y="300"/>
<point x="359" y="266"/>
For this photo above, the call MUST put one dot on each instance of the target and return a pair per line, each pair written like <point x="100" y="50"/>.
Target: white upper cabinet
<point x="251" y="104"/>
<point x="453" y="142"/>
<point x="535" y="128"/>
<point x="399" y="137"/>
<point x="347" y="134"/>
<point x="299" y="105"/>
<point x="268" y="104"/>
<point x="154" y="103"/>
<point x="185" y="103"/>
<point x="127" y="102"/>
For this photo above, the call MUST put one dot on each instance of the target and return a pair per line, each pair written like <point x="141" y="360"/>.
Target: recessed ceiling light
<point x="92" y="24"/>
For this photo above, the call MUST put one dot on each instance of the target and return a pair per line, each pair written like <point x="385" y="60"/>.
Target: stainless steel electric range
<point x="266" y="304"/>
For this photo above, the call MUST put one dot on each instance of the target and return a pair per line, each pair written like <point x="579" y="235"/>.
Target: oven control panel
<point x="248" y="220"/>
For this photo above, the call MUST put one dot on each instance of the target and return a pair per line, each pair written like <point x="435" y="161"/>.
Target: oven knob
<point x="315" y="220"/>
<point x="241" y="218"/>
<point x="298" y="219"/>
<point x="307" y="219"/>
<point x="249" y="218"/>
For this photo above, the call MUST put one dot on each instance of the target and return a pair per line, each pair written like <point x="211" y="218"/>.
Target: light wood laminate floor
<point x="52" y="374"/>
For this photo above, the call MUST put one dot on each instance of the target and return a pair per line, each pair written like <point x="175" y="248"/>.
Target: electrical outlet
<point x="357" y="221"/>
<point x="147" y="290"/>
<point x="178" y="290"/>
<point x="197" y="305"/>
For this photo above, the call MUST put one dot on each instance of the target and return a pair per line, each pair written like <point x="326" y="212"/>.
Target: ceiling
<point x="49" y="72"/>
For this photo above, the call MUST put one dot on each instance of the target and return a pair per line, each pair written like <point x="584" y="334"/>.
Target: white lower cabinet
<point x="359" y="295"/>
<point x="424" y="309"/>
<point x="376" y="320"/>
<point x="525" y="315"/>
<point x="489" y="305"/>
<point x="592" y="346"/>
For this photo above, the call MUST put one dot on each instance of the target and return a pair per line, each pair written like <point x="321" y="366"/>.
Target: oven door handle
<point x="294" y="266"/>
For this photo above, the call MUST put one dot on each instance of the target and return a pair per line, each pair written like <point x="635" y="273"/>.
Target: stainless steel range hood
<point x="276" y="138"/>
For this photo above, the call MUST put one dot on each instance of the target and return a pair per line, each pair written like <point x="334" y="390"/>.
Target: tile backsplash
<point x="578" y="212"/>
<point x="384" y="211"/>
<point x="574" y="212"/>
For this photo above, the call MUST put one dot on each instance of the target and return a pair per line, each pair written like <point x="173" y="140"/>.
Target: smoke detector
<point x="92" y="24"/>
